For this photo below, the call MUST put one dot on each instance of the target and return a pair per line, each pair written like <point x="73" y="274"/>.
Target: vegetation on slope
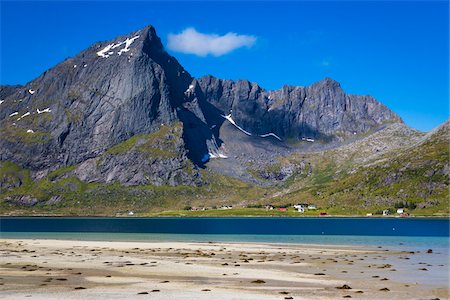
<point x="71" y="196"/>
<point x="416" y="177"/>
<point x="352" y="181"/>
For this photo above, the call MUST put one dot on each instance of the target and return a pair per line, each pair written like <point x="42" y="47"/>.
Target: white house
<point x="312" y="206"/>
<point x="300" y="207"/>
<point x="385" y="212"/>
<point x="226" y="207"/>
<point x="400" y="210"/>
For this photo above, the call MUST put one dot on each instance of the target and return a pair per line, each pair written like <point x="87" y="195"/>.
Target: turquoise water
<point x="412" y="234"/>
<point x="395" y="233"/>
<point x="438" y="274"/>
<point x="393" y="242"/>
<point x="416" y="235"/>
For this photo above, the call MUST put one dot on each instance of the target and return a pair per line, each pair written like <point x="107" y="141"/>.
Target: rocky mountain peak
<point x="101" y="97"/>
<point x="134" y="43"/>
<point x="151" y="40"/>
<point x="130" y="87"/>
<point x="329" y="81"/>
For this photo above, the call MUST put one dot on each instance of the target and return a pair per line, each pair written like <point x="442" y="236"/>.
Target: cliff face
<point x="322" y="110"/>
<point x="80" y="108"/>
<point x="120" y="93"/>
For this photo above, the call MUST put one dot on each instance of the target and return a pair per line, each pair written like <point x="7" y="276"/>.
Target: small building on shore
<point x="300" y="207"/>
<point x="226" y="207"/>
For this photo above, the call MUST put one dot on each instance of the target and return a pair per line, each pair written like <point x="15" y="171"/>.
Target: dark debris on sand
<point x="258" y="281"/>
<point x="344" y="287"/>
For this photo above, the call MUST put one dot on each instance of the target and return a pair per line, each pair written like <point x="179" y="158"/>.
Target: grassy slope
<point x="344" y="182"/>
<point x="80" y="198"/>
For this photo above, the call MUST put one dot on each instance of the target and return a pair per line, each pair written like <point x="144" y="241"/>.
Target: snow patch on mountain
<point x="128" y="43"/>
<point x="217" y="155"/>
<point x="189" y="89"/>
<point x="23" y="116"/>
<point x="47" y="110"/>
<point x="106" y="52"/>
<point x="270" y="134"/>
<point x="230" y="119"/>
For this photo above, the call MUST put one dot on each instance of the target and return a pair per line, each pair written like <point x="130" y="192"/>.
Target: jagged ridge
<point x="112" y="91"/>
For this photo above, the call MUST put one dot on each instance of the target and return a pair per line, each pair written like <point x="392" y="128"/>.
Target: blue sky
<point x="397" y="52"/>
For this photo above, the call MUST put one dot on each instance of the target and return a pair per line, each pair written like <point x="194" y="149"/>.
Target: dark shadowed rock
<point x="7" y="90"/>
<point x="320" y="111"/>
<point x="106" y="112"/>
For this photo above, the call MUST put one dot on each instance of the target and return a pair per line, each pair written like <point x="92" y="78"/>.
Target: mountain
<point x="107" y="94"/>
<point x="322" y="110"/>
<point x="125" y="115"/>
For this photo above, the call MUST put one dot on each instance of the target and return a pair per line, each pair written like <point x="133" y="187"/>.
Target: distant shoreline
<point x="231" y="216"/>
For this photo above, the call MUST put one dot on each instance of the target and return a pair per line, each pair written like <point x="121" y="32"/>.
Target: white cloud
<point x="191" y="41"/>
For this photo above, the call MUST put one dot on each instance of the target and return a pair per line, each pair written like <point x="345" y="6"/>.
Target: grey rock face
<point x="115" y="90"/>
<point x="7" y="90"/>
<point x="321" y="111"/>
<point x="53" y="200"/>
<point x="97" y="99"/>
<point x="24" y="200"/>
<point x="124" y="169"/>
<point x="9" y="182"/>
<point x="283" y="173"/>
<point x="159" y="161"/>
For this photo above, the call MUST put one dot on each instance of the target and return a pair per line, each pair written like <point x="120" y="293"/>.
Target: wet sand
<point x="55" y="269"/>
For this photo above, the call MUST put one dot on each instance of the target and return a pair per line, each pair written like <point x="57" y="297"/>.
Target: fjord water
<point x="263" y="225"/>
<point x="395" y="233"/>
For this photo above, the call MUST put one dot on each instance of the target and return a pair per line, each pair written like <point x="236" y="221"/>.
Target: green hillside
<point x="411" y="170"/>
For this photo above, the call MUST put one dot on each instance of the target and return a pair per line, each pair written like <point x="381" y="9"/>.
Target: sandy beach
<point x="69" y="269"/>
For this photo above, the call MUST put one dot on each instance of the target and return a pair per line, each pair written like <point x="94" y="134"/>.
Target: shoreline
<point x="230" y="216"/>
<point x="73" y="269"/>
